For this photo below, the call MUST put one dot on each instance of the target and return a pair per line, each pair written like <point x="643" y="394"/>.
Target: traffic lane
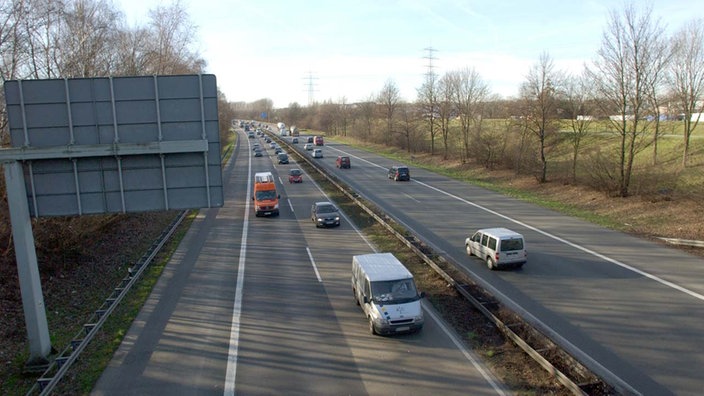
<point x="289" y="340"/>
<point x="539" y="298"/>
<point x="178" y="342"/>
<point x="428" y="362"/>
<point x="282" y="321"/>
<point x="558" y="267"/>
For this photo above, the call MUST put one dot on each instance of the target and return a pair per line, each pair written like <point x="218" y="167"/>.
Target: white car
<point x="308" y="146"/>
<point x="318" y="153"/>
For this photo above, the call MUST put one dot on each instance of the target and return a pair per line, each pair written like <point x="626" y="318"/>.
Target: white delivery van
<point x="497" y="247"/>
<point x="385" y="290"/>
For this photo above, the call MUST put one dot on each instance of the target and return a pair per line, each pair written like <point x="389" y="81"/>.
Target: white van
<point x="497" y="247"/>
<point x="387" y="293"/>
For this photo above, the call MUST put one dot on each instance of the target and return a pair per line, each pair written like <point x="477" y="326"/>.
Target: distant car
<point x="308" y="146"/>
<point x="272" y="145"/>
<point x="342" y="161"/>
<point x="250" y="135"/>
<point x="310" y="139"/>
<point x="257" y="153"/>
<point x="283" y="158"/>
<point x="278" y="150"/>
<point x="255" y="147"/>
<point x="294" y="140"/>
<point x="295" y="176"/>
<point x="325" y="214"/>
<point x="399" y="172"/>
<point x="317" y="153"/>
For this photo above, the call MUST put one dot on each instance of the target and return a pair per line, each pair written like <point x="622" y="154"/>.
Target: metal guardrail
<point x="683" y="242"/>
<point x="60" y="365"/>
<point x="461" y="288"/>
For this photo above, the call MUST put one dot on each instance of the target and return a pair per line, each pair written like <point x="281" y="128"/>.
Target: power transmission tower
<point x="310" y="83"/>
<point x="430" y="74"/>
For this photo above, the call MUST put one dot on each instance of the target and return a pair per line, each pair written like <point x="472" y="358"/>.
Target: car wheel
<point x="372" y="330"/>
<point x="490" y="263"/>
<point x="469" y="249"/>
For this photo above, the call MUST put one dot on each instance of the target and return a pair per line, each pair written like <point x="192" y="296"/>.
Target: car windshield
<point x="264" y="195"/>
<point x="402" y="171"/>
<point x="294" y="172"/>
<point x="394" y="292"/>
<point x="326" y="209"/>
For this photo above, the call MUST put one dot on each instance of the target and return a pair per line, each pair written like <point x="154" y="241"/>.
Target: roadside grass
<point x="86" y="371"/>
<point x="508" y="362"/>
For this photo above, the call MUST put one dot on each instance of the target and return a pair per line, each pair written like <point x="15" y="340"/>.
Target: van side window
<point x="492" y="243"/>
<point x="484" y="239"/>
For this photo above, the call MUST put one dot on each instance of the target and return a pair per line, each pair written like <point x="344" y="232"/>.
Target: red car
<point x="295" y="176"/>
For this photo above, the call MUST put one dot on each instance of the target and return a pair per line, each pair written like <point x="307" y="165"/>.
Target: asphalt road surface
<point x="255" y="306"/>
<point x="632" y="310"/>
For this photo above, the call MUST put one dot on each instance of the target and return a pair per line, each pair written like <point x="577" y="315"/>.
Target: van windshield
<point x="266" y="195"/>
<point x="394" y="292"/>
<point x="508" y="245"/>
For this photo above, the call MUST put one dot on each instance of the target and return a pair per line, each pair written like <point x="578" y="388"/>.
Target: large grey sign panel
<point x="121" y="144"/>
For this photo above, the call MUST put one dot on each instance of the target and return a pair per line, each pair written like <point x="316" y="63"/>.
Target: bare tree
<point x="389" y="98"/>
<point x="88" y="39"/>
<point x="408" y="126"/>
<point x="687" y="77"/>
<point x="445" y="108"/>
<point x="172" y="36"/>
<point x="470" y="93"/>
<point x="366" y="112"/>
<point x="540" y="93"/>
<point x="131" y="52"/>
<point x="428" y="104"/>
<point x="580" y="110"/>
<point x="623" y="75"/>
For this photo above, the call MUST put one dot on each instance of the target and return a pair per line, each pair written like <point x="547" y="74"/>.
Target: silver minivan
<point x="497" y="247"/>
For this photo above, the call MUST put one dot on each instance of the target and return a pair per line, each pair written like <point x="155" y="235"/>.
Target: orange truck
<point x="265" y="197"/>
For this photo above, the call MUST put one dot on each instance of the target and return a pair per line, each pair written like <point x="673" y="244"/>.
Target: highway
<point x="631" y="309"/>
<point x="263" y="305"/>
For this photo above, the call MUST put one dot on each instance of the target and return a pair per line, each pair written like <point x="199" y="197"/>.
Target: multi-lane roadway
<point x="263" y="305"/>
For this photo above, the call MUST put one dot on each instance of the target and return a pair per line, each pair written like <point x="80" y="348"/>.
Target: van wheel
<point x="490" y="263"/>
<point x="469" y="250"/>
<point x="372" y="330"/>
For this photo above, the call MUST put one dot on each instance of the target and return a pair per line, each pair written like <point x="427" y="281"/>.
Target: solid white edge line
<point x="312" y="262"/>
<point x="662" y="281"/>
<point x="466" y="352"/>
<point x="231" y="371"/>
<point x="574" y="245"/>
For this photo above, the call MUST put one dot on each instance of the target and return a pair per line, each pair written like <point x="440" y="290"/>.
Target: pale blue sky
<point x="269" y="48"/>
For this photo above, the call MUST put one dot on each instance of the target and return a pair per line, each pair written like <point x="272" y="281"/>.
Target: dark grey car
<point x="399" y="172"/>
<point x="325" y="214"/>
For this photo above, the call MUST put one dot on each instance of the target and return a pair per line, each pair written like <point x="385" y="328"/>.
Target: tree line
<point x="640" y="84"/>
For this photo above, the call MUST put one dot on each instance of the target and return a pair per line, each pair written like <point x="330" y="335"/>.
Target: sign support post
<point x="27" y="269"/>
